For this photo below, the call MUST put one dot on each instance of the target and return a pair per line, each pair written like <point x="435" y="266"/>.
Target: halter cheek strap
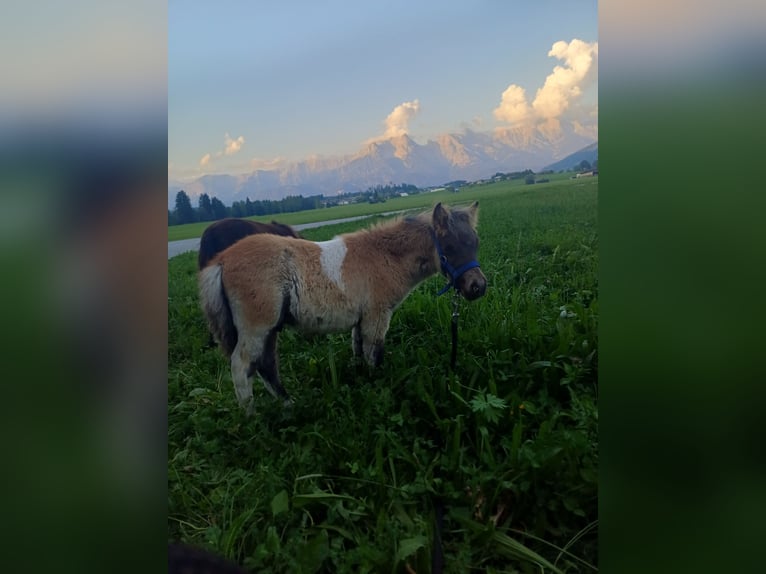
<point x="448" y="269"/>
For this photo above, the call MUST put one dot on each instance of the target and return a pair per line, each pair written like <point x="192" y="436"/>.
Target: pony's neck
<point x="410" y="242"/>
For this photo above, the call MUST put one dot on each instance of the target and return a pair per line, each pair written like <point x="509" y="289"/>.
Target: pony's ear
<point x="440" y="217"/>
<point x="473" y="213"/>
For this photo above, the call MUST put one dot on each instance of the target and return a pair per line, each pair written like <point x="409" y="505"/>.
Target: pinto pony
<point x="354" y="281"/>
<point x="227" y="232"/>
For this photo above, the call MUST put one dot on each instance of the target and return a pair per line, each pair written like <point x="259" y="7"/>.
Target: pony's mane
<point x="419" y="218"/>
<point x="422" y="218"/>
<point x="398" y="236"/>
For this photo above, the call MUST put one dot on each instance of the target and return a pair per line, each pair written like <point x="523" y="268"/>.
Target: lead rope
<point x="455" y="316"/>
<point x="437" y="554"/>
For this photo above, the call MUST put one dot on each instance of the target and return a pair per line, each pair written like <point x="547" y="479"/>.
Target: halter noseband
<point x="448" y="269"/>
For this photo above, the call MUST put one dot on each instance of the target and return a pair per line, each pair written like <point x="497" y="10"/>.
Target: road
<point x="184" y="245"/>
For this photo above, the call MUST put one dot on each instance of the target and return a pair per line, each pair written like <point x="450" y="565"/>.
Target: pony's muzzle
<point x="472" y="284"/>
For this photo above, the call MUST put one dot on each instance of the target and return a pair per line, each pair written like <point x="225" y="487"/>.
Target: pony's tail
<point x="215" y="305"/>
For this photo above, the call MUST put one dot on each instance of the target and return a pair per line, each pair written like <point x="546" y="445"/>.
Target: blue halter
<point x="448" y="269"/>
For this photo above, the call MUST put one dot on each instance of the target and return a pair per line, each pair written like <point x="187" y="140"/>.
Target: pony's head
<point x="456" y="244"/>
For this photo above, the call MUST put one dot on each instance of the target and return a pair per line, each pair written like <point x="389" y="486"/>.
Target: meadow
<point x="417" y="201"/>
<point x="352" y="478"/>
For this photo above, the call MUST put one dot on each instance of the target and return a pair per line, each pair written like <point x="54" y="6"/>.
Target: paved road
<point x="184" y="245"/>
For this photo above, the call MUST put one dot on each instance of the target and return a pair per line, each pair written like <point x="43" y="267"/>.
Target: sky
<point x="253" y="85"/>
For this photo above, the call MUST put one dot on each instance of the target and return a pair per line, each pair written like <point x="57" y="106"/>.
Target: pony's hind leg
<point x="244" y="363"/>
<point x="267" y="364"/>
<point x="357" y="344"/>
<point x="240" y="374"/>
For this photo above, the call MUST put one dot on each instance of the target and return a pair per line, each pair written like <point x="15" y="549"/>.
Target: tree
<point x="184" y="211"/>
<point x="205" y="209"/>
<point x="584" y="165"/>
<point x="238" y="209"/>
<point x="530" y="179"/>
<point x="219" y="209"/>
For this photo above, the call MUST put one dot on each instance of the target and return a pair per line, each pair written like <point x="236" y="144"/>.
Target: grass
<point x="349" y="480"/>
<point x="418" y="201"/>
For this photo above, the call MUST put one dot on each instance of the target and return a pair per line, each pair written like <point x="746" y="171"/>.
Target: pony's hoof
<point x="288" y="410"/>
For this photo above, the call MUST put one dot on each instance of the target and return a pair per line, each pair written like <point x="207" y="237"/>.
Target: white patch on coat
<point x="333" y="253"/>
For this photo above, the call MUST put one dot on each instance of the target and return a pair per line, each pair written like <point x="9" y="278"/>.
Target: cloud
<point x="565" y="83"/>
<point x="513" y="107"/>
<point x="397" y="122"/>
<point x="587" y="130"/>
<point x="475" y="123"/>
<point x="267" y="164"/>
<point x="561" y="89"/>
<point x="233" y="146"/>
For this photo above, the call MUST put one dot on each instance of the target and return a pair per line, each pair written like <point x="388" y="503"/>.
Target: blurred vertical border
<point x="683" y="269"/>
<point x="83" y="155"/>
<point x="83" y="136"/>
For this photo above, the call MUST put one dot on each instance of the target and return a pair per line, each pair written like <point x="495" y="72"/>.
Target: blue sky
<point x="253" y="84"/>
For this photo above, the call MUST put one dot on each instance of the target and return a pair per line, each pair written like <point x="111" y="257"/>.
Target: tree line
<point x="380" y="193"/>
<point x="212" y="209"/>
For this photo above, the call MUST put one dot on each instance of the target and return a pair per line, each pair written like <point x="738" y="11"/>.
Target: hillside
<point x="588" y="153"/>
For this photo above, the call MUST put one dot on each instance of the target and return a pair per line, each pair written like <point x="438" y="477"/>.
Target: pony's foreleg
<point x="373" y="330"/>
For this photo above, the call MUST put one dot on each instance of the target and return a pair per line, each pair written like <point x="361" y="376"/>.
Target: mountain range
<point x="588" y="153"/>
<point x="468" y="155"/>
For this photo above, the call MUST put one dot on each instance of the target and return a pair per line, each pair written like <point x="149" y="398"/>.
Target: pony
<point x="227" y="232"/>
<point x="354" y="281"/>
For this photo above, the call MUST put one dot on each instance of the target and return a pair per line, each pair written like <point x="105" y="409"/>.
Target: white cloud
<point x="267" y="164"/>
<point x="588" y="130"/>
<point x="566" y="82"/>
<point x="233" y="145"/>
<point x="513" y="107"/>
<point x="397" y="122"/>
<point x="562" y="88"/>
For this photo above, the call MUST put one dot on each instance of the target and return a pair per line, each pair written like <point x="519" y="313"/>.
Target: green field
<point x="349" y="479"/>
<point x="421" y="200"/>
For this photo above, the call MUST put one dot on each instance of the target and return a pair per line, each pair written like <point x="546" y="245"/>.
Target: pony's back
<point x="224" y="233"/>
